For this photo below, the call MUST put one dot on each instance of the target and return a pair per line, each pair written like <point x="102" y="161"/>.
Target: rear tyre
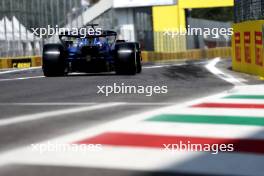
<point x="126" y="59"/>
<point x="139" y="59"/>
<point x="53" y="60"/>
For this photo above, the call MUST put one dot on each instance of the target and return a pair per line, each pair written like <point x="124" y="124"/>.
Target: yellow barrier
<point x="20" y="62"/>
<point x="248" y="47"/>
<point x="172" y="18"/>
<point x="196" y="54"/>
<point x="4" y="63"/>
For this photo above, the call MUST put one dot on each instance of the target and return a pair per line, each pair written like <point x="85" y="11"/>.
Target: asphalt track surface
<point x="36" y="94"/>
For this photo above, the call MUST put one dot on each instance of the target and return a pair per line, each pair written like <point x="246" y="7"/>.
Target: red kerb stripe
<point x="158" y="141"/>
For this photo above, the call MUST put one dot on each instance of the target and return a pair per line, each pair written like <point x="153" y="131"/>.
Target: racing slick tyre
<point x="126" y="58"/>
<point x="53" y="60"/>
<point x="138" y="57"/>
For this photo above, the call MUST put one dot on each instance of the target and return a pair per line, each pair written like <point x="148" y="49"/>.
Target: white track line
<point x="84" y="104"/>
<point x="177" y="64"/>
<point x="22" y="78"/>
<point x="163" y="66"/>
<point x="229" y="78"/>
<point x="51" y="104"/>
<point x="45" y="115"/>
<point x="19" y="70"/>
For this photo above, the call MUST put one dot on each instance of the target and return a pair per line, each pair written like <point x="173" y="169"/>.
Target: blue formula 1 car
<point x="91" y="54"/>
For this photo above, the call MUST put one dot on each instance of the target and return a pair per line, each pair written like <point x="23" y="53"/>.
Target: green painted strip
<point x="245" y="97"/>
<point x="208" y="119"/>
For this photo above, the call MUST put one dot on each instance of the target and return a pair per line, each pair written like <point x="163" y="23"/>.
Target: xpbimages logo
<point x="194" y="147"/>
<point x="126" y="89"/>
<point x="190" y="31"/>
<point x="50" y="31"/>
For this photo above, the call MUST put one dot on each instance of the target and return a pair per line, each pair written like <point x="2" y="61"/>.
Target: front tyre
<point x="53" y="60"/>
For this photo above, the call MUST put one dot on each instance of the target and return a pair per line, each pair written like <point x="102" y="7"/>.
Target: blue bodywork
<point x="75" y="50"/>
<point x="93" y="53"/>
<point x="89" y="53"/>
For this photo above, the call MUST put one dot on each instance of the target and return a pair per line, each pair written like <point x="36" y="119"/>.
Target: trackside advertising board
<point x="248" y="52"/>
<point x="140" y="3"/>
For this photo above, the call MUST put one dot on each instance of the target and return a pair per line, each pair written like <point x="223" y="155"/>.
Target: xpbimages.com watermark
<point x="128" y="89"/>
<point x="50" y="31"/>
<point x="193" y="147"/>
<point x="60" y="147"/>
<point x="191" y="31"/>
